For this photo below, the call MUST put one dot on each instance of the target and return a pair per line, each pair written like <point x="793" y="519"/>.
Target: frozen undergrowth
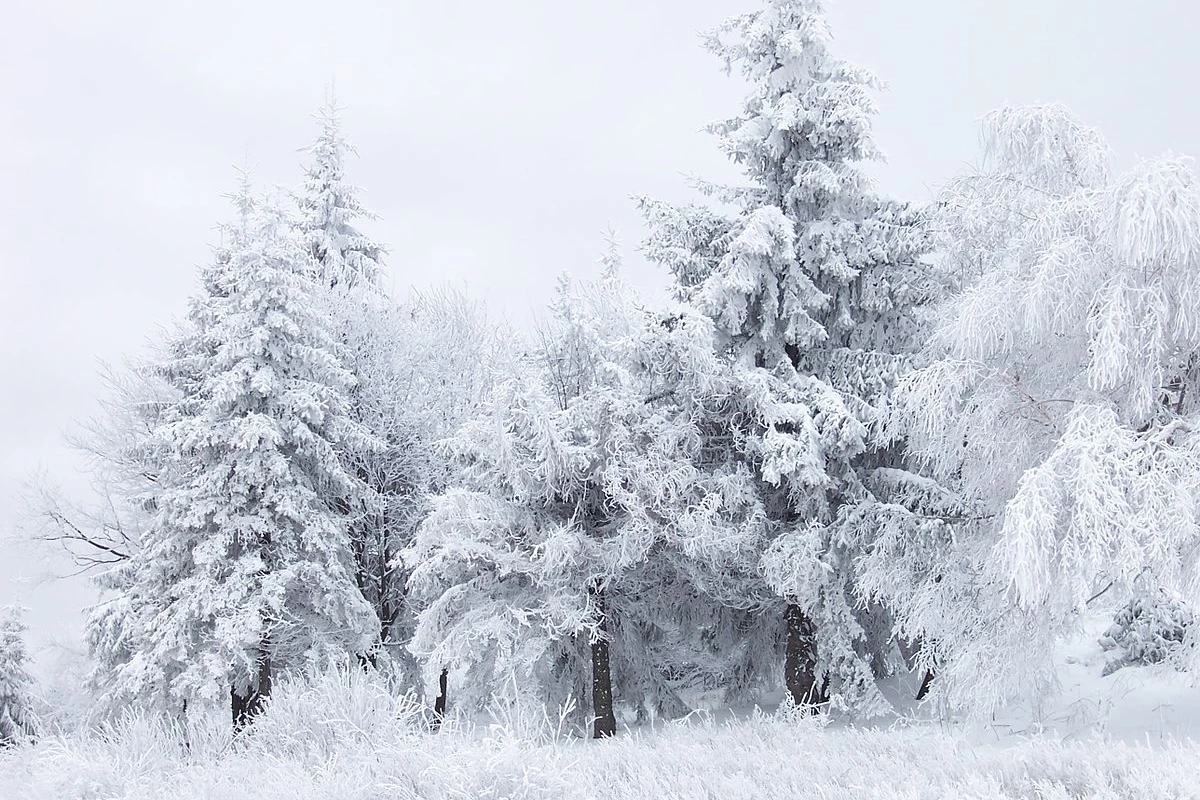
<point x="347" y="739"/>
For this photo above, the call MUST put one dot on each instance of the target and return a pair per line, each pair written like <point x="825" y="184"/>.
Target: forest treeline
<point x="864" y="437"/>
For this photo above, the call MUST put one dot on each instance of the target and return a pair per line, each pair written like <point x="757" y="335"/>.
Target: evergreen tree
<point x="511" y="561"/>
<point x="563" y="555"/>
<point x="816" y="281"/>
<point x="16" y="720"/>
<point x="331" y="211"/>
<point x="245" y="570"/>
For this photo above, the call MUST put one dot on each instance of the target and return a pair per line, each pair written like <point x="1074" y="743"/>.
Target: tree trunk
<point x="439" y="704"/>
<point x="604" y="720"/>
<point x="800" y="659"/>
<point x="924" y="690"/>
<point x="248" y="704"/>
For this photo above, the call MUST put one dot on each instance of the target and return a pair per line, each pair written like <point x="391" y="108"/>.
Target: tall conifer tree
<point x="817" y="281"/>
<point x="16" y="720"/>
<point x="245" y="570"/>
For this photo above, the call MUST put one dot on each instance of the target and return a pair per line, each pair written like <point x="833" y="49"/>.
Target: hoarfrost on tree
<point x="245" y="569"/>
<point x="16" y="715"/>
<point x="817" y="288"/>
<point x="1060" y="399"/>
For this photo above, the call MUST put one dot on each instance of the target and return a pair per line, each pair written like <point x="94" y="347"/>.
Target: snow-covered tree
<point x="514" y="561"/>
<point x="420" y="366"/>
<point x="16" y="720"/>
<point x="245" y="570"/>
<point x="1059" y="405"/>
<point x="558" y="553"/>
<point x="331" y="211"/>
<point x="423" y="367"/>
<point x="816" y="286"/>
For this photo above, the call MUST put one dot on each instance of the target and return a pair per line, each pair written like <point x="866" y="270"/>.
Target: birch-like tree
<point x="1059" y="403"/>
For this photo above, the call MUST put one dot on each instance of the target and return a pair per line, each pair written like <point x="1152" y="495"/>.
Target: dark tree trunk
<point x="439" y="704"/>
<point x="800" y="659"/>
<point x="924" y="690"/>
<point x="604" y="720"/>
<point x="248" y="703"/>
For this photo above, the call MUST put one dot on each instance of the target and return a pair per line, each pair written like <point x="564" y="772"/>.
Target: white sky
<point x="497" y="142"/>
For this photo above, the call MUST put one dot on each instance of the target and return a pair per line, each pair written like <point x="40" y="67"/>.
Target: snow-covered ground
<point x="1147" y="704"/>
<point x="1133" y="734"/>
<point x="755" y="758"/>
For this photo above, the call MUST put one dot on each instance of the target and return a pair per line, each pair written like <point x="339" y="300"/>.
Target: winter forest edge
<point x="874" y="463"/>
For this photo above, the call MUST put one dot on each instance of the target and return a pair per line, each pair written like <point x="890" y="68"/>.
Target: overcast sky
<point x="497" y="141"/>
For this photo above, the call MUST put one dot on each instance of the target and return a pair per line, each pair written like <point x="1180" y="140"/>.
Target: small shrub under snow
<point x="1149" y="629"/>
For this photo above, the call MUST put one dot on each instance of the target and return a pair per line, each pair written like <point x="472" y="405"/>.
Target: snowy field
<point x="341" y="757"/>
<point x="1132" y="734"/>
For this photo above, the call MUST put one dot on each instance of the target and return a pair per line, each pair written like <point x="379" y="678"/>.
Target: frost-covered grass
<point x="347" y="739"/>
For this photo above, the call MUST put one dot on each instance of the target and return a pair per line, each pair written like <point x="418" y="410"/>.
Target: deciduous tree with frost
<point x="1059" y="405"/>
<point x="245" y="570"/>
<point x="423" y="367"/>
<point x="122" y="465"/>
<point x="815" y="286"/>
<point x="420" y="366"/>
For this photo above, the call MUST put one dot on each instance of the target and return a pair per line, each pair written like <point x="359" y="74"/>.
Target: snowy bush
<point x="1148" y="629"/>
<point x="313" y="718"/>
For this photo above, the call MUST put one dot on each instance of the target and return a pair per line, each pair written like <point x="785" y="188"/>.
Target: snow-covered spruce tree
<point x="16" y="720"/>
<point x="331" y="211"/>
<point x="246" y="569"/>
<point x="554" y="562"/>
<point x="817" y="282"/>
<point x="1059" y="404"/>
<point x="510" y="561"/>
